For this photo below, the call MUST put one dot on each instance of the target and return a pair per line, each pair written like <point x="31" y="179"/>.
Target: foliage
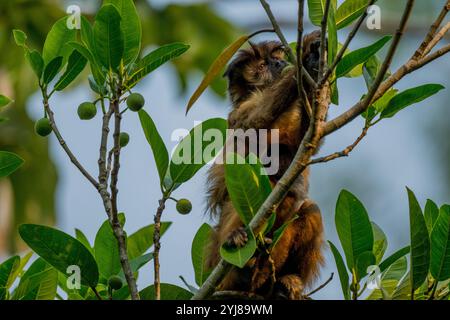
<point x="106" y="270"/>
<point x="428" y="275"/>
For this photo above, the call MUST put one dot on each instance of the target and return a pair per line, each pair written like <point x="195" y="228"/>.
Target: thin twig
<point x="420" y="52"/>
<point x="299" y="50"/>
<point x="344" y="47"/>
<point x="96" y="293"/>
<point x="343" y="153"/>
<point x="438" y="37"/>
<point x="283" y="40"/>
<point x="361" y="106"/>
<point x="64" y="145"/>
<point x="322" y="286"/>
<point x="260" y="31"/>
<point x="323" y="39"/>
<point x="157" y="246"/>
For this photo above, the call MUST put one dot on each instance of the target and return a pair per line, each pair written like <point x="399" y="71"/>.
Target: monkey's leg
<point x="305" y="258"/>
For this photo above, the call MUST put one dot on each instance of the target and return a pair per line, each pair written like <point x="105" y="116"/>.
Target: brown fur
<point x="264" y="97"/>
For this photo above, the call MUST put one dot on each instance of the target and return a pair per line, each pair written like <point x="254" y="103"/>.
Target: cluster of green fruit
<point x="88" y="110"/>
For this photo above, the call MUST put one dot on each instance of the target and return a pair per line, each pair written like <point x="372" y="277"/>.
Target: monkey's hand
<point x="238" y="238"/>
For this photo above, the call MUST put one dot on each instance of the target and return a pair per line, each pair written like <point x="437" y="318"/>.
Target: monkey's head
<point x="255" y="68"/>
<point x="262" y="64"/>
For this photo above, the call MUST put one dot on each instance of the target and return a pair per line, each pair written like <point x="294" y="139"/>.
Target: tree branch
<point x="114" y="219"/>
<point x="157" y="247"/>
<point x="361" y="106"/>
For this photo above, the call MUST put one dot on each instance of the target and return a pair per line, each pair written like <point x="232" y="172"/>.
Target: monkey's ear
<point x="255" y="49"/>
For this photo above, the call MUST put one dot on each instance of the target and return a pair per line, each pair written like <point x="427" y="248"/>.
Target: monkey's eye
<point x="262" y="66"/>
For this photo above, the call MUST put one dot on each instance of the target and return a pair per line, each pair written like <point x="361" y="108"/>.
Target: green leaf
<point x="403" y="289"/>
<point x="246" y="187"/>
<point x="140" y="241"/>
<point x="56" y="43"/>
<point x="39" y="282"/>
<point x="7" y="271"/>
<point x="106" y="250"/>
<point x="316" y="10"/>
<point x="363" y="261"/>
<point x="20" y="37"/>
<point x="349" y="11"/>
<point x="168" y="292"/>
<point x="199" y="253"/>
<point x="75" y="66"/>
<point x="420" y="243"/>
<point x="390" y="279"/>
<point x="440" y="246"/>
<point x="380" y="242"/>
<point x="277" y="234"/>
<point x="359" y="56"/>
<point x="98" y="75"/>
<point x="37" y="63"/>
<point x="131" y="29"/>
<point x="203" y="144"/>
<point x="154" y="60"/>
<point x="156" y="143"/>
<point x="370" y="70"/>
<point x="343" y="274"/>
<point x="394" y="257"/>
<point x="80" y="236"/>
<point x="4" y="101"/>
<point x="61" y="251"/>
<point x="239" y="256"/>
<point x="431" y="214"/>
<point x="136" y="264"/>
<point x="19" y="269"/>
<point x="9" y="162"/>
<point x="409" y="97"/>
<point x="52" y="69"/>
<point x="353" y="227"/>
<point x="332" y="34"/>
<point x="108" y="37"/>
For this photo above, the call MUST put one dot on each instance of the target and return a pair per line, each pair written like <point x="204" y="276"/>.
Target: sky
<point x="396" y="153"/>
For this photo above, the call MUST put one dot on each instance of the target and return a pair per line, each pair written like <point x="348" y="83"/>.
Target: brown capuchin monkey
<point x="266" y="97"/>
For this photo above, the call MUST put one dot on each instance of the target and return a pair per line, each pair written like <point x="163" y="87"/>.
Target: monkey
<point x="265" y="96"/>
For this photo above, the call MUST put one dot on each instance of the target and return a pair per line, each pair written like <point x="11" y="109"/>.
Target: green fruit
<point x="43" y="127"/>
<point x="184" y="206"/>
<point x="135" y="102"/>
<point x="124" y="138"/>
<point x="115" y="282"/>
<point x="87" y="111"/>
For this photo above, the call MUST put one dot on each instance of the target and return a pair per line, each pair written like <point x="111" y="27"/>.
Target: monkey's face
<point x="258" y="66"/>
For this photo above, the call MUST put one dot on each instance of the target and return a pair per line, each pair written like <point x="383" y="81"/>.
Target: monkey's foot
<point x="289" y="287"/>
<point x="238" y="238"/>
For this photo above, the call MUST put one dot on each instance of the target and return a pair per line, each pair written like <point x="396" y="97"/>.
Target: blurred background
<point x="413" y="149"/>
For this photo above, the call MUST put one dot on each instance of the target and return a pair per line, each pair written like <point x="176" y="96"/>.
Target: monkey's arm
<point x="264" y="107"/>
